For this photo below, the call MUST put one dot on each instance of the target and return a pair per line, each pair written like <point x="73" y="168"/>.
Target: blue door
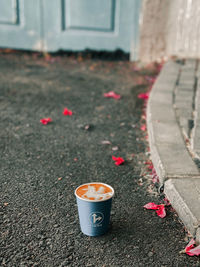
<point x="51" y="25"/>
<point x="20" y="24"/>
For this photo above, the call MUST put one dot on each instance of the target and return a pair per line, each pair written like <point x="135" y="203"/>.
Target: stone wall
<point x="169" y="27"/>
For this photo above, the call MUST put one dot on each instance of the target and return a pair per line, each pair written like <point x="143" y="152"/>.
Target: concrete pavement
<point x="173" y="119"/>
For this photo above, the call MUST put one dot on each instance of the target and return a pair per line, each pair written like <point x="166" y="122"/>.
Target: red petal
<point x="150" y="167"/>
<point x="190" y="245"/>
<point x="194" y="251"/>
<point x="112" y="94"/>
<point x="161" y="211"/>
<point x="151" y="206"/>
<point x="143" y="95"/>
<point x="114" y="158"/>
<point x="118" y="161"/>
<point x="67" y="112"/>
<point x="45" y="120"/>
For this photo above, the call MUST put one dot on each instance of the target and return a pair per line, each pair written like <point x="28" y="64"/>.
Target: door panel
<point x="93" y="24"/>
<point x="9" y="11"/>
<point x="20" y="25"/>
<point x="77" y="15"/>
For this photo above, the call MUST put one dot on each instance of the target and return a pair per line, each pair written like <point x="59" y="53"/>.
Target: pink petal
<point x="190" y="245"/>
<point x="143" y="127"/>
<point x="114" y="158"/>
<point x="143" y="95"/>
<point x="112" y="94"/>
<point x="161" y="211"/>
<point x="194" y="252"/>
<point x="118" y="161"/>
<point x="67" y="112"/>
<point x="151" y="206"/>
<point x="45" y="120"/>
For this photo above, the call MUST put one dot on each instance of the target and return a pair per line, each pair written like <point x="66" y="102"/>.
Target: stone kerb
<point x="173" y="91"/>
<point x="196" y="133"/>
<point x="184" y="196"/>
<point x="169" y="154"/>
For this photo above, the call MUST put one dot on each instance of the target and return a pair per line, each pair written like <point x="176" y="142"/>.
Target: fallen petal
<point x="150" y="167"/>
<point x="67" y="112"/>
<point x="143" y="127"/>
<point x="194" y="252"/>
<point x="143" y="95"/>
<point x="151" y="206"/>
<point x="161" y="211"/>
<point x="46" y="120"/>
<point x="118" y="161"/>
<point x="190" y="245"/>
<point x="112" y="94"/>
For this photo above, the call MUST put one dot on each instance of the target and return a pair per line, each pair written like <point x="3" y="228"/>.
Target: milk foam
<point x="97" y="195"/>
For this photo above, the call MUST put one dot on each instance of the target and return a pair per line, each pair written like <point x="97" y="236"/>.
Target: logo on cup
<point x="96" y="218"/>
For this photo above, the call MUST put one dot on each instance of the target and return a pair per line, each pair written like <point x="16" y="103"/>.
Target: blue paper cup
<point x="94" y="215"/>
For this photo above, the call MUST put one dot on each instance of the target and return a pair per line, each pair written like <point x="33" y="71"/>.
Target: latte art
<point x="94" y="191"/>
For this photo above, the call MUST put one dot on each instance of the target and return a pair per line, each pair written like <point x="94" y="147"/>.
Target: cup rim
<point x="89" y="200"/>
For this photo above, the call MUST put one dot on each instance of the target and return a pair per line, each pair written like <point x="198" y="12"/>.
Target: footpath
<point x="42" y="164"/>
<point x="173" y="119"/>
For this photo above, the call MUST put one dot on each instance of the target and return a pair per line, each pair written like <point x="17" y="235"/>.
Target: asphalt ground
<point x="41" y="165"/>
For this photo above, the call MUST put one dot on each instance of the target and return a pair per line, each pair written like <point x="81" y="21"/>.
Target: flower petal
<point x="67" y="112"/>
<point x="151" y="206"/>
<point x="143" y="127"/>
<point x="190" y="245"/>
<point x="112" y="94"/>
<point x="161" y="211"/>
<point x="118" y="161"/>
<point x="45" y="120"/>
<point x="194" y="252"/>
<point x="144" y="96"/>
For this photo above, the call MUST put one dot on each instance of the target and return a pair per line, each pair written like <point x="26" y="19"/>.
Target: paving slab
<point x="184" y="195"/>
<point x="185" y="93"/>
<point x="169" y="154"/>
<point x="196" y="133"/>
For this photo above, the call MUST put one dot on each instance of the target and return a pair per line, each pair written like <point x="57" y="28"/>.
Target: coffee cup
<point x="94" y="202"/>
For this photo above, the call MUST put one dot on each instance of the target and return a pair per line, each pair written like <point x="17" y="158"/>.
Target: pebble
<point x="115" y="148"/>
<point x="71" y="232"/>
<point x="150" y="254"/>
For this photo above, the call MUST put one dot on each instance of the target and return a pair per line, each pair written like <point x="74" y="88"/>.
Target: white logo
<point x="96" y="218"/>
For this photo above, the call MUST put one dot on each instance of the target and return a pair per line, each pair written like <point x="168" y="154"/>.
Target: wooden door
<point x="20" y="24"/>
<point x="91" y="24"/>
<point x="52" y="25"/>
